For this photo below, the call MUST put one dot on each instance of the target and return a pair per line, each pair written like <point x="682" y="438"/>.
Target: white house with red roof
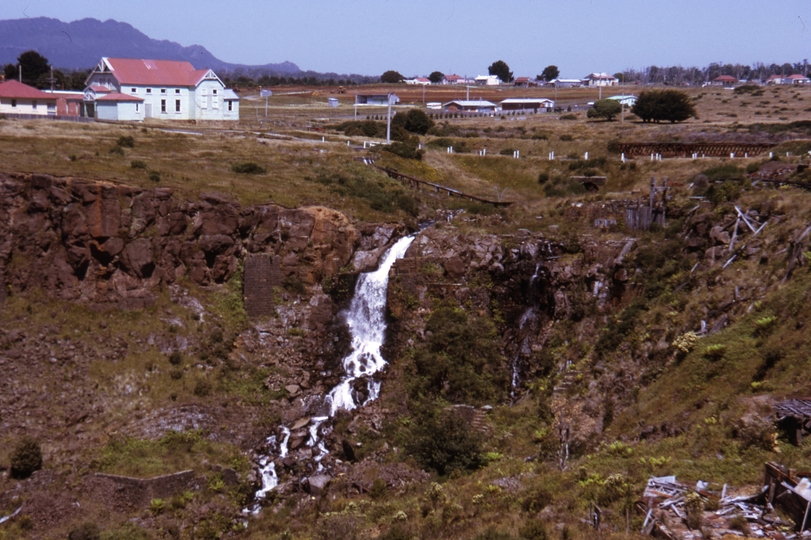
<point x="128" y="89"/>
<point x="19" y="98"/>
<point x="796" y="78"/>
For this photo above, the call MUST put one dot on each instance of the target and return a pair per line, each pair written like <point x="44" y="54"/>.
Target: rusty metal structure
<point x="671" y="150"/>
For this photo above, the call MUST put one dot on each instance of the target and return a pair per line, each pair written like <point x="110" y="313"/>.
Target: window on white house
<point x="177" y="90"/>
<point x="230" y="105"/>
<point x="215" y="102"/>
<point x="34" y="104"/>
<point x="163" y="105"/>
<point x="214" y="92"/>
<point x="148" y="90"/>
<point x="177" y="105"/>
<point x="163" y="90"/>
<point x="13" y="102"/>
<point x="137" y="107"/>
<point x="134" y="90"/>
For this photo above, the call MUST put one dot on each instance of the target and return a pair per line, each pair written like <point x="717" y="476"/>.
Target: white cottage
<point x="18" y="98"/>
<point x="135" y="89"/>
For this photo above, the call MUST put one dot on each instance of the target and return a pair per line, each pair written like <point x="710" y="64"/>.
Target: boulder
<point x="316" y="485"/>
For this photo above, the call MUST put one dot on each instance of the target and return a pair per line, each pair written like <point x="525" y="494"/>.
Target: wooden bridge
<point x="691" y="149"/>
<point x="437" y="188"/>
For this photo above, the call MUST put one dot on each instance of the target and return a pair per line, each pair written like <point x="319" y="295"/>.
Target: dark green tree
<point x="500" y="69"/>
<point x="436" y="77"/>
<point x="549" y="73"/>
<point x="391" y="77"/>
<point x="664" y="105"/>
<point x="414" y="121"/>
<point x="34" y="66"/>
<point x="10" y="72"/>
<point x="605" y="108"/>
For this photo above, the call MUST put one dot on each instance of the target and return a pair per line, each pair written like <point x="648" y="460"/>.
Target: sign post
<point x="265" y="94"/>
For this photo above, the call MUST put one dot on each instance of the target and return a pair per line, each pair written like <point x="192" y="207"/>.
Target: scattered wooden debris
<point x="666" y="506"/>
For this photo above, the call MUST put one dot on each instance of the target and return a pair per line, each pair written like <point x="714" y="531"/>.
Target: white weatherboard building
<point x="127" y="89"/>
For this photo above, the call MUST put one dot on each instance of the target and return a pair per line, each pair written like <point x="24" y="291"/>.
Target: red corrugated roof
<point x="15" y="89"/>
<point x="155" y="72"/>
<point x="725" y="78"/>
<point x="116" y="96"/>
<point x="100" y="89"/>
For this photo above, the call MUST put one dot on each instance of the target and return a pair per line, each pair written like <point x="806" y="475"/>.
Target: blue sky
<point x="416" y="37"/>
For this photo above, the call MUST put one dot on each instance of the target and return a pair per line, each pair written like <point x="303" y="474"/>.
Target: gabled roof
<point x="154" y="72"/>
<point x="453" y="77"/>
<point x="117" y="96"/>
<point x="471" y="103"/>
<point x="99" y="89"/>
<point x="729" y="78"/>
<point x="599" y="76"/>
<point x="526" y="100"/>
<point x="797" y="77"/>
<point x="15" y="89"/>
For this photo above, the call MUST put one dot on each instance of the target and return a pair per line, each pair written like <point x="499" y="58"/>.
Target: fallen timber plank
<point x="438" y="187"/>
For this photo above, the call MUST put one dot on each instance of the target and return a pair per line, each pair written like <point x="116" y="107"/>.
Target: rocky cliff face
<point x="107" y="244"/>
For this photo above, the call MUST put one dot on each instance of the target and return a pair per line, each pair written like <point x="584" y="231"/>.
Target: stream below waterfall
<point x="366" y="319"/>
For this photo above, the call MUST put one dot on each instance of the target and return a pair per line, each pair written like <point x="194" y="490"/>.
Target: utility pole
<point x="20" y="71"/>
<point x="388" y="121"/>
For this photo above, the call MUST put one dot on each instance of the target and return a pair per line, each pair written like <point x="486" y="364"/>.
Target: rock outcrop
<point x="106" y="244"/>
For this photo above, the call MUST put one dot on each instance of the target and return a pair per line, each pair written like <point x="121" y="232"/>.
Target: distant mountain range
<point x="81" y="44"/>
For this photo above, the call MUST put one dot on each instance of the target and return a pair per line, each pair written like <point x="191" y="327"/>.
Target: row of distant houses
<point x="795" y="79"/>
<point x="592" y="79"/>
<point x="125" y="89"/>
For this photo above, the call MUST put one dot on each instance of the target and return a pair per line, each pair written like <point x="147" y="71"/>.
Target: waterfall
<point x="367" y="326"/>
<point x="366" y="319"/>
<point x="528" y="316"/>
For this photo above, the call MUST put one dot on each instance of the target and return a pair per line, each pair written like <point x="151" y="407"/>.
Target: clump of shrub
<point x="715" y="352"/>
<point x="695" y="509"/>
<point x="155" y="176"/>
<point x="685" y="342"/>
<point x="175" y="358"/>
<point x="85" y="531"/>
<point x="26" y="458"/>
<point x="248" y="167"/>
<point x="533" y="529"/>
<point x="408" y="148"/>
<point x="563" y="187"/>
<point x="202" y="388"/>
<point x="568" y="117"/>
<point x="445" y="443"/>
<point x="116" y="150"/>
<point x="126" y="141"/>
<point x="461" y="360"/>
<point x="138" y="164"/>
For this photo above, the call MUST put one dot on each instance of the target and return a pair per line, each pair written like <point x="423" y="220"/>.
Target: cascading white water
<point x="527" y="317"/>
<point x="367" y="327"/>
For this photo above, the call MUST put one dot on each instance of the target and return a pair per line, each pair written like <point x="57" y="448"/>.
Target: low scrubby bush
<point x="85" y="531"/>
<point x="26" y="458"/>
<point x="126" y="141"/>
<point x="137" y="164"/>
<point x="248" y="167"/>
